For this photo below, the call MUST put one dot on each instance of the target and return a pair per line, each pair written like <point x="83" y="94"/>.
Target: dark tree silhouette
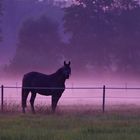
<point x="39" y="46"/>
<point x="126" y="44"/>
<point x="104" y="33"/>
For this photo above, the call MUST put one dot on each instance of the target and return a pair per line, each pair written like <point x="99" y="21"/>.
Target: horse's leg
<point x="25" y="94"/>
<point x="55" y="99"/>
<point x="33" y="95"/>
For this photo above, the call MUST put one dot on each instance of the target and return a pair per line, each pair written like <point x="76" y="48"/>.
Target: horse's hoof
<point x="53" y="111"/>
<point x="23" y="111"/>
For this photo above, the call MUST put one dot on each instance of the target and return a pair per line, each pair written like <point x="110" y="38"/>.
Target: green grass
<point x="71" y="124"/>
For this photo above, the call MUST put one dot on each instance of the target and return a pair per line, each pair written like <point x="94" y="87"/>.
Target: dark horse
<point x="43" y="84"/>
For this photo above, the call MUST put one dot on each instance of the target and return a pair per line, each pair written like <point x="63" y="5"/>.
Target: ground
<point x="72" y="123"/>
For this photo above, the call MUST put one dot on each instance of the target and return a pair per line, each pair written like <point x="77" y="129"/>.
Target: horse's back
<point x="35" y="79"/>
<point x="34" y="74"/>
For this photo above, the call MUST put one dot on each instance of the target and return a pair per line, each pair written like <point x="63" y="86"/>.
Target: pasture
<point x="71" y="123"/>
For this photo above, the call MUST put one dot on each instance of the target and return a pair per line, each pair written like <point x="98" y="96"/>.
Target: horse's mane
<point x="59" y="71"/>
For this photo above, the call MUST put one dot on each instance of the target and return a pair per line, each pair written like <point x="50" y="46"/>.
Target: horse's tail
<point x="25" y="93"/>
<point x="23" y="98"/>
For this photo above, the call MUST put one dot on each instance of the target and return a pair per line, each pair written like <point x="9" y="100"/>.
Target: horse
<point x="48" y="85"/>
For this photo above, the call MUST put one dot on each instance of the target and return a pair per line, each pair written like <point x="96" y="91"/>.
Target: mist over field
<point x="72" y="96"/>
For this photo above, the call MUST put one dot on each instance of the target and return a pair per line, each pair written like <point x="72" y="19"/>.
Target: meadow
<point x="71" y="123"/>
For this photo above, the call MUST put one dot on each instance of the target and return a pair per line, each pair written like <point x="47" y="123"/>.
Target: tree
<point x="127" y="28"/>
<point x="39" y="46"/>
<point x="102" y="32"/>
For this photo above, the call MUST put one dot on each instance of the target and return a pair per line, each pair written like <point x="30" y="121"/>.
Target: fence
<point x="103" y="88"/>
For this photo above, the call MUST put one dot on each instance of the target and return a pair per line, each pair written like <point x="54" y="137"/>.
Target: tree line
<point x="104" y="36"/>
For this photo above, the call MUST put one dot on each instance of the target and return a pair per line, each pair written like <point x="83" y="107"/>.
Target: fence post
<point x="103" y="107"/>
<point x="2" y="92"/>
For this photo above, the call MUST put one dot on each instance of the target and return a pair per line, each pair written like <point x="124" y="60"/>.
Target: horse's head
<point x="66" y="70"/>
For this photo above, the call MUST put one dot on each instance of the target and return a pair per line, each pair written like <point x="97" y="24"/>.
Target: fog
<point x="74" y="96"/>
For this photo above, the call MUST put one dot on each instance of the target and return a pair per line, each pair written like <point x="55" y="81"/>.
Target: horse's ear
<point x="65" y="63"/>
<point x="69" y="63"/>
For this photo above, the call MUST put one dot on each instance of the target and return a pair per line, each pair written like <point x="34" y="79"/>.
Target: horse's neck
<point x="59" y="78"/>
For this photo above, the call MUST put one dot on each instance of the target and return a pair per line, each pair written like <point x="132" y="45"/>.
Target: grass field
<point x="72" y="123"/>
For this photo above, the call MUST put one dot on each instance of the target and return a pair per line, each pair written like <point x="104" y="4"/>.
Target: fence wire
<point x="103" y="91"/>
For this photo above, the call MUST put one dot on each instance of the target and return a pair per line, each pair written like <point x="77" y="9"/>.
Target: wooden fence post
<point x="2" y="92"/>
<point x="103" y="107"/>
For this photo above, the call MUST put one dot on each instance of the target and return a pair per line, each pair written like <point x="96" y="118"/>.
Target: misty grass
<point x="71" y="125"/>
